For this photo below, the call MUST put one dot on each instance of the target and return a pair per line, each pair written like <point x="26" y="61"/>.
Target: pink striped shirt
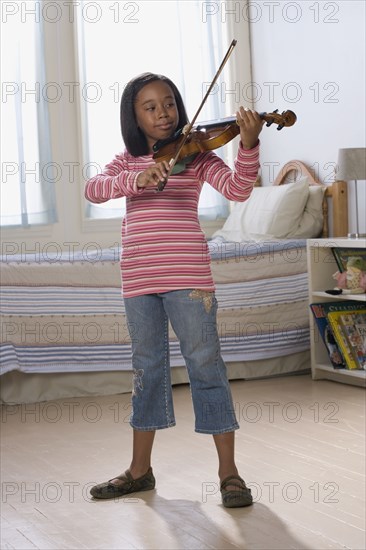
<point x="163" y="245"/>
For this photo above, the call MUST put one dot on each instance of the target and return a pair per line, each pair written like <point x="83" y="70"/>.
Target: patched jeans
<point x="192" y="314"/>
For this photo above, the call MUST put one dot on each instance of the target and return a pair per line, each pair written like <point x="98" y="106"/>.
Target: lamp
<point x="352" y="166"/>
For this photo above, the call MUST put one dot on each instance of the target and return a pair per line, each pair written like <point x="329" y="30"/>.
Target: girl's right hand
<point x="153" y="175"/>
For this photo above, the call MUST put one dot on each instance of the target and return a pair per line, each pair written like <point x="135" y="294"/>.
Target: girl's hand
<point x="153" y="175"/>
<point x="250" y="127"/>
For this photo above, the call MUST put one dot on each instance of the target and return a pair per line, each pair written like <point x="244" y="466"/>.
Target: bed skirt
<point x="18" y="387"/>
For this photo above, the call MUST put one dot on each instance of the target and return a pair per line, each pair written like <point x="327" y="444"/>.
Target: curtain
<point x="28" y="174"/>
<point x="118" y="41"/>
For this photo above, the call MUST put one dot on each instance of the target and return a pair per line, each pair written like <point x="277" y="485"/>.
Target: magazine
<point x="354" y="327"/>
<point x="336" y="313"/>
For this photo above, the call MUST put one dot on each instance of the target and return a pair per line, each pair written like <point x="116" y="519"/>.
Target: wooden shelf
<point x="322" y="266"/>
<point x="346" y="297"/>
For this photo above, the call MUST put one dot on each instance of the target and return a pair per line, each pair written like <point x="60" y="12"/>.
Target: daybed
<point x="64" y="331"/>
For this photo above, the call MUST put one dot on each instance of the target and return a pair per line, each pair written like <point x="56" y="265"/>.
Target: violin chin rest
<point x="161" y="142"/>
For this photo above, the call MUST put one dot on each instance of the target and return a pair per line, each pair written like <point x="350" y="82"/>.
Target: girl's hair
<point x="134" y="139"/>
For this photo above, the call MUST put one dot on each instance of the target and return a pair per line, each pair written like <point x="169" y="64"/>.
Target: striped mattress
<point x="66" y="314"/>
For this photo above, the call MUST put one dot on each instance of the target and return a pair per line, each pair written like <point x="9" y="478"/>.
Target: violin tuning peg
<point x="269" y="123"/>
<point x="280" y="126"/>
<point x="275" y="111"/>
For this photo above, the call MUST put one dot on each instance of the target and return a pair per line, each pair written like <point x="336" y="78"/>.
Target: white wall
<point x="310" y="57"/>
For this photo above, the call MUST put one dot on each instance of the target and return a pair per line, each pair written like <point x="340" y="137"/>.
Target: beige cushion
<point x="311" y="223"/>
<point x="270" y="212"/>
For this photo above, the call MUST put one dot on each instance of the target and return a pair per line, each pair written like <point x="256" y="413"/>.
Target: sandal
<point x="235" y="498"/>
<point x="130" y="485"/>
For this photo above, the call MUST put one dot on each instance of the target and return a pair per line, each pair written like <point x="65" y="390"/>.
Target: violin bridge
<point x="186" y="129"/>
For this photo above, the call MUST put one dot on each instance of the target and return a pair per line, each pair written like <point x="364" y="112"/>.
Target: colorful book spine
<point x="327" y="336"/>
<point x="335" y="323"/>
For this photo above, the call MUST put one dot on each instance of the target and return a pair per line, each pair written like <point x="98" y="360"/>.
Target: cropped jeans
<point x="192" y="314"/>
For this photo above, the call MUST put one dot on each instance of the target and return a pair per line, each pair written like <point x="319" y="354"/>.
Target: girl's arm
<point x="237" y="184"/>
<point x="114" y="182"/>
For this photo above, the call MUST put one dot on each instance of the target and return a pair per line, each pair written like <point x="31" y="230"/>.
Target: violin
<point x="190" y="140"/>
<point x="208" y="136"/>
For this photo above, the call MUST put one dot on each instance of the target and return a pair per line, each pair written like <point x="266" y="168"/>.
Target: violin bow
<point x="187" y="129"/>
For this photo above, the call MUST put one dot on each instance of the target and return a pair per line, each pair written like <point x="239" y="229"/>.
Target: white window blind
<point x="28" y="174"/>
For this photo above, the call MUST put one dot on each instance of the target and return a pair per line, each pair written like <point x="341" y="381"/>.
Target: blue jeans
<point x="192" y="314"/>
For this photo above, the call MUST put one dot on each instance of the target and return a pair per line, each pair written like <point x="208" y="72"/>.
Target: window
<point x="28" y="175"/>
<point x="117" y="41"/>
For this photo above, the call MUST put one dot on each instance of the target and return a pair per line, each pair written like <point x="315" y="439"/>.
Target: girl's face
<point x="156" y="111"/>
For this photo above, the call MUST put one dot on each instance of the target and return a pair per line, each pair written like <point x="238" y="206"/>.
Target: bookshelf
<point x="321" y="266"/>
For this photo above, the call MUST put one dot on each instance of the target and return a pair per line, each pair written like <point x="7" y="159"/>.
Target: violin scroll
<point x="286" y="118"/>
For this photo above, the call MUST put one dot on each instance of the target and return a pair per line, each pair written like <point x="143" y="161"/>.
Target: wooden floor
<point x="300" y="448"/>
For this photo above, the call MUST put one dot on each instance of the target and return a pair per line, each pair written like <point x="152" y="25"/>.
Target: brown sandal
<point x="130" y="485"/>
<point x="235" y="498"/>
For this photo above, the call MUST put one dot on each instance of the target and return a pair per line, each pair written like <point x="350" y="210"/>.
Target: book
<point x="354" y="327"/>
<point x="342" y="256"/>
<point x="326" y="333"/>
<point x="334" y="312"/>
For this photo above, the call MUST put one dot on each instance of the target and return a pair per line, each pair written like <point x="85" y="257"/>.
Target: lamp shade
<point x="351" y="164"/>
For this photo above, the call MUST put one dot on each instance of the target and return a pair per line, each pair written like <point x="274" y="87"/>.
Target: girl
<point x="166" y="276"/>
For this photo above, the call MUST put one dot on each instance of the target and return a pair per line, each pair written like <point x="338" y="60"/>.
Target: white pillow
<point x="311" y="223"/>
<point x="270" y="212"/>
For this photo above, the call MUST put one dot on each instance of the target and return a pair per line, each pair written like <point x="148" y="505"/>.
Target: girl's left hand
<point x="250" y="127"/>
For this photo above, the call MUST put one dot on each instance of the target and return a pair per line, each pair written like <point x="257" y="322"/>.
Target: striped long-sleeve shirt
<point x="163" y="245"/>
